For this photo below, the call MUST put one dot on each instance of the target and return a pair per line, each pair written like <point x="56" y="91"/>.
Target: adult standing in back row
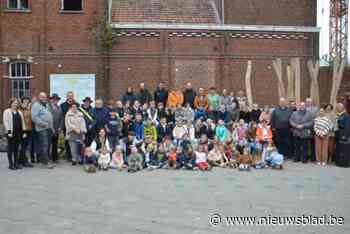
<point x="281" y="129"/>
<point x="189" y="95"/>
<point x="144" y="96"/>
<point x="43" y="122"/>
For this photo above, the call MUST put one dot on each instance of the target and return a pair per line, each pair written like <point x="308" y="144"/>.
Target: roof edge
<point x="217" y="27"/>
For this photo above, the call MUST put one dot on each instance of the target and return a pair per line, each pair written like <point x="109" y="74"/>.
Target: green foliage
<point x="103" y="32"/>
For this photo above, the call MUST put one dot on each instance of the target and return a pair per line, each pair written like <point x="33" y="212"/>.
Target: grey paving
<point x="67" y="200"/>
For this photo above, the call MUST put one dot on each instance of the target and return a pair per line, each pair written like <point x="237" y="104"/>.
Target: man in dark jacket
<point x="189" y="95"/>
<point x="342" y="158"/>
<point x="302" y="122"/>
<point x="282" y="136"/>
<point x="129" y="96"/>
<point x="100" y="114"/>
<point x="86" y="108"/>
<point x="161" y="94"/>
<point x="144" y="95"/>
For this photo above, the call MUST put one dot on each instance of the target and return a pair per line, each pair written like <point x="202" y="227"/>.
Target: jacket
<point x="201" y="101"/>
<point x="8" y="122"/>
<point x="264" y="135"/>
<point x="304" y="118"/>
<point x="101" y="116"/>
<point x="175" y="98"/>
<point x="189" y="96"/>
<point x="280" y="118"/>
<point x="129" y="97"/>
<point x="150" y="130"/>
<point x="57" y="116"/>
<point x="214" y="101"/>
<point x="27" y="116"/>
<point x="144" y="96"/>
<point x="42" y="117"/>
<point x="75" y="121"/>
<point x="161" y="95"/>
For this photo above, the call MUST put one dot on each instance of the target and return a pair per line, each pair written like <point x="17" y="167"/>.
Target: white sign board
<point x="83" y="85"/>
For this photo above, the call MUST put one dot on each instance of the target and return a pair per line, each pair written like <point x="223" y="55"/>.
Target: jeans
<point x="12" y="151"/>
<point x="75" y="148"/>
<point x="301" y="149"/>
<point x="44" y="141"/>
<point x="25" y="144"/>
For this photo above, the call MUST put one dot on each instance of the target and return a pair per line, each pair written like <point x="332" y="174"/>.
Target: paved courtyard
<point x="67" y="200"/>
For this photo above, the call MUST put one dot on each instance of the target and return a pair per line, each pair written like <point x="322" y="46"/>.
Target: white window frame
<point x="19" y="5"/>
<point x="26" y="67"/>
<point x="62" y="7"/>
<point x="17" y="92"/>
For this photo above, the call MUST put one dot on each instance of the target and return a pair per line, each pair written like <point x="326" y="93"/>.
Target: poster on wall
<point x="83" y="85"/>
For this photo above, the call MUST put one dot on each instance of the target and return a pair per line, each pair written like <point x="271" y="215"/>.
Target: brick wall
<point x="271" y="12"/>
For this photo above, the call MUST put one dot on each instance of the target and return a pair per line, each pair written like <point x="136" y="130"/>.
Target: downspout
<point x="223" y="11"/>
<point x="110" y="11"/>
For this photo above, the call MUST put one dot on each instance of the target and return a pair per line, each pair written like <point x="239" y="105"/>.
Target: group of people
<point x="174" y="130"/>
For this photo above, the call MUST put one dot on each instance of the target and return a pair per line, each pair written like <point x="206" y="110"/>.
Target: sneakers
<point x="48" y="166"/>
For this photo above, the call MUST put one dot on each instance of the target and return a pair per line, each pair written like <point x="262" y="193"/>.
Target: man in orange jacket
<point x="175" y="98"/>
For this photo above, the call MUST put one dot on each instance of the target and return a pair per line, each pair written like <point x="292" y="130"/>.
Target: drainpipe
<point x="110" y="11"/>
<point x="223" y="11"/>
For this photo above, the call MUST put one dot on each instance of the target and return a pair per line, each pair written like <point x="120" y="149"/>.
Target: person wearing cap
<point x="57" y="115"/>
<point x="25" y="108"/>
<point x="85" y="108"/>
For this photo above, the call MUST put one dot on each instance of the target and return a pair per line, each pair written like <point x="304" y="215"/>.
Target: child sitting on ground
<point x="272" y="158"/>
<point x="241" y="136"/>
<point x="160" y="158"/>
<point x="117" y="161"/>
<point x="201" y="159"/>
<point x="186" y="159"/>
<point x="135" y="160"/>
<point x="172" y="156"/>
<point x="245" y="160"/>
<point x="104" y="159"/>
<point x="216" y="156"/>
<point x="253" y="142"/>
<point x="90" y="160"/>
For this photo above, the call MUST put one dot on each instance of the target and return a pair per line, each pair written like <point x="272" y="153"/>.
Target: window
<point x="20" y="74"/>
<point x="18" y="4"/>
<point x="72" y="5"/>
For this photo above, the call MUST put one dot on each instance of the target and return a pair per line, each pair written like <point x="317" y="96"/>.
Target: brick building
<point x="207" y="42"/>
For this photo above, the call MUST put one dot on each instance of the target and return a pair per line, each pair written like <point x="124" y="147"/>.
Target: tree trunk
<point x="277" y="65"/>
<point x="291" y="84"/>
<point x="338" y="70"/>
<point x="248" y="83"/>
<point x="296" y="73"/>
<point x="315" y="91"/>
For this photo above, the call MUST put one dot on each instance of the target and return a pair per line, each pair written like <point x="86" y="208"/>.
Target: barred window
<point x="20" y="74"/>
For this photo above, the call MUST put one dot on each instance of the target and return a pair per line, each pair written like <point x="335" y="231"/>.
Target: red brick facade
<point x="174" y="57"/>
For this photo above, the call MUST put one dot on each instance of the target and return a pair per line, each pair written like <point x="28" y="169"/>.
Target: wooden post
<point x="277" y="65"/>
<point x="314" y="71"/>
<point x="296" y="73"/>
<point x="248" y="83"/>
<point x="291" y="84"/>
<point x="338" y="70"/>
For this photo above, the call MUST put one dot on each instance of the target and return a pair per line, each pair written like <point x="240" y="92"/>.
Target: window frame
<point x="62" y="10"/>
<point x="19" y="6"/>
<point x="26" y="92"/>
<point x="27" y="67"/>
